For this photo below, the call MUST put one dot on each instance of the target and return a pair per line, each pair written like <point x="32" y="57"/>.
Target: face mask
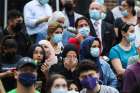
<point x="125" y="13"/>
<point x="131" y="37"/>
<point x="95" y="52"/>
<point x="68" y="7"/>
<point x="95" y="14"/>
<point x="103" y="16"/>
<point x="89" y="82"/>
<point x="10" y="55"/>
<point x="27" y="79"/>
<point x="18" y="27"/>
<point x="84" y="31"/>
<point x="100" y="1"/>
<point x="43" y="2"/>
<point x="73" y="91"/>
<point x="59" y="90"/>
<point x="57" y="38"/>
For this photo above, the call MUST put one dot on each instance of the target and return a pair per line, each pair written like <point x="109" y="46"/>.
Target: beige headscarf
<point x="52" y="59"/>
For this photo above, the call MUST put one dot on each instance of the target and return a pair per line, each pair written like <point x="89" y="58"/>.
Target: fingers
<point x="44" y="67"/>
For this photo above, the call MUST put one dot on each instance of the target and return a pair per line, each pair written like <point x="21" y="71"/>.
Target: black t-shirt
<point x="60" y="69"/>
<point x="9" y="83"/>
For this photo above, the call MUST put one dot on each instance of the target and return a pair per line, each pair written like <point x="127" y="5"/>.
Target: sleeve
<point x="110" y="77"/>
<point x="29" y="19"/>
<point x="116" y="23"/>
<point x="129" y="81"/>
<point x="113" y="53"/>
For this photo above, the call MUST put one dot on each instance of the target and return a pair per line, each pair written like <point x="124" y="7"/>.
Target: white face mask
<point x="73" y="91"/>
<point x="59" y="90"/>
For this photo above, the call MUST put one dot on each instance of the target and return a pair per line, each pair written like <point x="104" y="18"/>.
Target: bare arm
<point x="118" y="66"/>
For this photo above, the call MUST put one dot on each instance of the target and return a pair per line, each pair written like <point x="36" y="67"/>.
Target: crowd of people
<point x="47" y="51"/>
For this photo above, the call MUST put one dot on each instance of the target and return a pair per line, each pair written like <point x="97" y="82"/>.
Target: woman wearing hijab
<point x="91" y="49"/>
<point x="50" y="58"/>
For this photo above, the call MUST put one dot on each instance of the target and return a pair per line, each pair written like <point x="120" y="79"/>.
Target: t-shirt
<point x="104" y="89"/>
<point x="14" y="91"/>
<point x="123" y="55"/>
<point x="131" y="78"/>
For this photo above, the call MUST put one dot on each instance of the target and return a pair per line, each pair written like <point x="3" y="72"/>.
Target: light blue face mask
<point x="100" y="2"/>
<point x="57" y="38"/>
<point x="124" y="13"/>
<point x="95" y="52"/>
<point x="95" y="14"/>
<point x="132" y="37"/>
<point x="43" y="2"/>
<point x="84" y="31"/>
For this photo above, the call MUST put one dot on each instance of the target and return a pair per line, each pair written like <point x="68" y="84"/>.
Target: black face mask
<point x="10" y="55"/>
<point x="18" y="27"/>
<point x="68" y="7"/>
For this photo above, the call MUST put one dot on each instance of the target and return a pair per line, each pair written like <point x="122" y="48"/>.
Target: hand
<point x="45" y="19"/>
<point x="42" y="20"/>
<point x="45" y="68"/>
<point x="7" y="73"/>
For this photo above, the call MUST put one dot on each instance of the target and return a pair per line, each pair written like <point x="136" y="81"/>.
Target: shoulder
<point x="12" y="91"/>
<point x="37" y="91"/>
<point x="115" y="48"/>
<point x="30" y="4"/>
<point x="108" y="25"/>
<point x="103" y="62"/>
<point x="77" y="14"/>
<point x="108" y="89"/>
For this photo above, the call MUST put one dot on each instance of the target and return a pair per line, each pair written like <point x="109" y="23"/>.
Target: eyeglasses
<point x="74" y="59"/>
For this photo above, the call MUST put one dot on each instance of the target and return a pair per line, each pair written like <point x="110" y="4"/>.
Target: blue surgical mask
<point x="43" y="2"/>
<point x="100" y="1"/>
<point x="95" y="52"/>
<point x="57" y="38"/>
<point x="95" y="14"/>
<point x="59" y="90"/>
<point x="131" y="37"/>
<point x="84" y="31"/>
<point x="125" y="13"/>
<point x="27" y="79"/>
<point x="89" y="82"/>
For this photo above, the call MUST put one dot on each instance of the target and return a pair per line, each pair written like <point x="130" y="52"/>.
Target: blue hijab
<point x="85" y="52"/>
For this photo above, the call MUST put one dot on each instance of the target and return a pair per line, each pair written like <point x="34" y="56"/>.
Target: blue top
<point x="107" y="76"/>
<point x="123" y="55"/>
<point x="110" y="78"/>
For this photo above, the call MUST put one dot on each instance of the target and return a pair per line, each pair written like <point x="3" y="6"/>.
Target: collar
<point x="37" y="3"/>
<point x="93" y="21"/>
